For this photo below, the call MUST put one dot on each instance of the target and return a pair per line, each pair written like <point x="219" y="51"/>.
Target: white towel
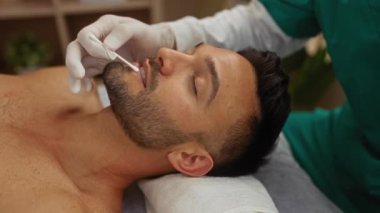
<point x="179" y="194"/>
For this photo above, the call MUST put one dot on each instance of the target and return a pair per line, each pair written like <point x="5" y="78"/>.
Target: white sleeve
<point x="238" y="28"/>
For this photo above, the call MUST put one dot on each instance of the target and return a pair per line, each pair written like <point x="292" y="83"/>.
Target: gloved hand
<point x="130" y="38"/>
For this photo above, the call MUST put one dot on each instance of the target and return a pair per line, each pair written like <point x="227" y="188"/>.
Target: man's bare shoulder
<point x="49" y="88"/>
<point x="55" y="79"/>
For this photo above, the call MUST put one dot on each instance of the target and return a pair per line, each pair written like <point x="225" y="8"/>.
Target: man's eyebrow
<point x="214" y="78"/>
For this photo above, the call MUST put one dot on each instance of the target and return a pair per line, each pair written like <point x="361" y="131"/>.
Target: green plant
<point x="27" y="52"/>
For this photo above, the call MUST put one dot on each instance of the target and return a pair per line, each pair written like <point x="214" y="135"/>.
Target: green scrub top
<point x="340" y="149"/>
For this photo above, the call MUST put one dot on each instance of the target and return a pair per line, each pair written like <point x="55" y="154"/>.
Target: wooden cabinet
<point x="58" y="21"/>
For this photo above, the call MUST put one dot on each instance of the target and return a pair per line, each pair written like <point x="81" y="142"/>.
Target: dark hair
<point x="250" y="140"/>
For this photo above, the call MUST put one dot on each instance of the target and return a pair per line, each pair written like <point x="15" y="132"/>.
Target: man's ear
<point x="191" y="160"/>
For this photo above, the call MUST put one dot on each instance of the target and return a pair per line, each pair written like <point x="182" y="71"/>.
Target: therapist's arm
<point x="238" y="28"/>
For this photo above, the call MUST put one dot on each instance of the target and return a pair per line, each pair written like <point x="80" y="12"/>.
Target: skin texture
<point x="61" y="152"/>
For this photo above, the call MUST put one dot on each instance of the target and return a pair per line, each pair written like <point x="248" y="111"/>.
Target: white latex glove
<point x="132" y="39"/>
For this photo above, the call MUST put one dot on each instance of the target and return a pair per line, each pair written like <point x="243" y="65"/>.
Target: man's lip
<point x="141" y="74"/>
<point x="146" y="68"/>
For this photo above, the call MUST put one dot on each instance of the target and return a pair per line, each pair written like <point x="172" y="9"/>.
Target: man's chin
<point x="112" y="69"/>
<point x="118" y="78"/>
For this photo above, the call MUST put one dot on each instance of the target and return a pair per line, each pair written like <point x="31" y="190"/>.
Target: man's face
<point x="201" y="92"/>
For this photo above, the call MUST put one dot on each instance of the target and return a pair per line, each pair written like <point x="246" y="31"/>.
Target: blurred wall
<point x="175" y="9"/>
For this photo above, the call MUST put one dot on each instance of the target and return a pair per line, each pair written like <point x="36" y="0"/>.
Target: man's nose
<point x="170" y="60"/>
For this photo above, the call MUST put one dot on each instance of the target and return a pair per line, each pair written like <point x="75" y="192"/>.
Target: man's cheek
<point x="181" y="113"/>
<point x="174" y="99"/>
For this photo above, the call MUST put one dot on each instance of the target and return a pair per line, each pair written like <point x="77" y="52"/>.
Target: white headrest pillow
<point x="176" y="193"/>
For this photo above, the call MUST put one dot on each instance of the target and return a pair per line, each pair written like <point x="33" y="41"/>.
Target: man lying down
<point x="208" y="111"/>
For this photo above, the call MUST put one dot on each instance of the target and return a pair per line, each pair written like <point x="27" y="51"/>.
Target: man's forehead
<point x="238" y="83"/>
<point x="234" y="70"/>
<point x="206" y="47"/>
<point x="198" y="45"/>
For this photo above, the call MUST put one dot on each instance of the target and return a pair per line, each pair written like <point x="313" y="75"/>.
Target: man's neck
<point x="101" y="160"/>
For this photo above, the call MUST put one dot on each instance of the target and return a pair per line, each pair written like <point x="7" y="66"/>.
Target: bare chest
<point x="28" y="115"/>
<point x="25" y="167"/>
<point x="29" y="177"/>
<point x="27" y="172"/>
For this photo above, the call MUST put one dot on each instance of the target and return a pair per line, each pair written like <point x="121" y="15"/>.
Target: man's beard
<point x="140" y="116"/>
